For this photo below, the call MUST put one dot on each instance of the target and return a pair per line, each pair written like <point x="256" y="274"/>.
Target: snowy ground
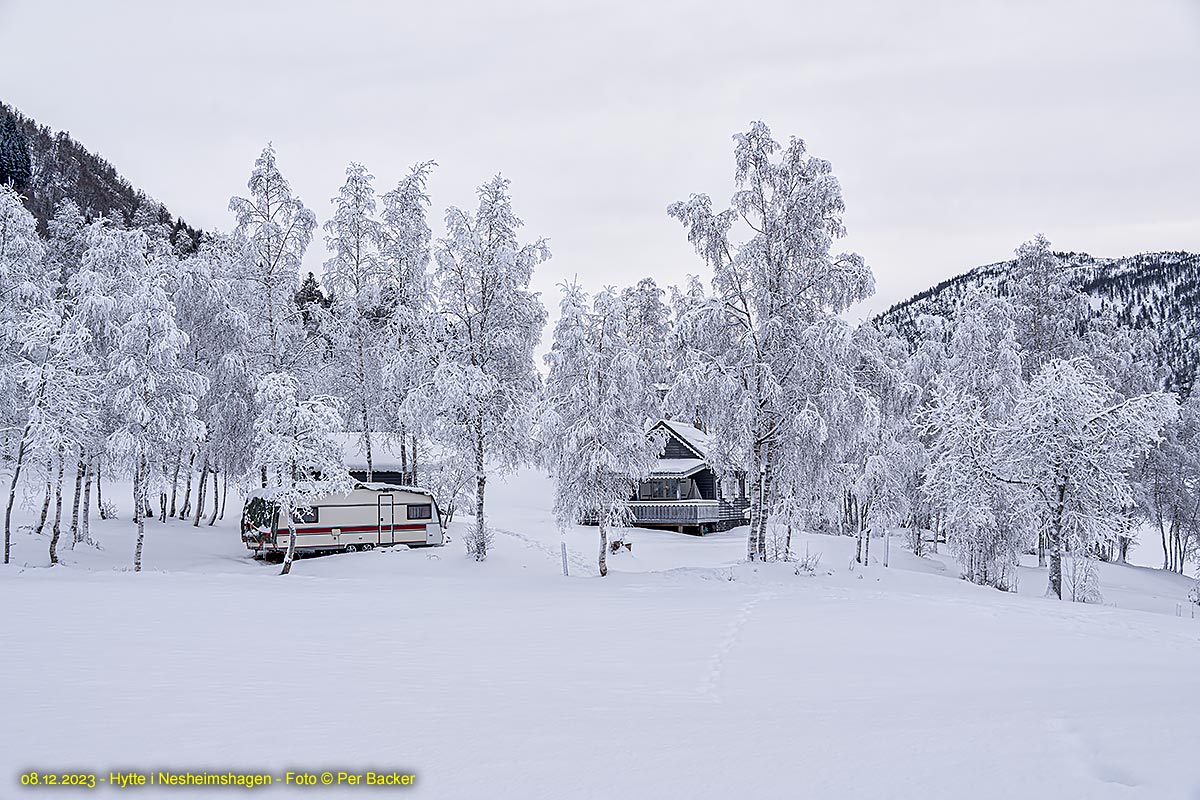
<point x="683" y="674"/>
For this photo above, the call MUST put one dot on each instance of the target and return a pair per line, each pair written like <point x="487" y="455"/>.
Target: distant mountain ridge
<point x="1156" y="291"/>
<point x="58" y="167"/>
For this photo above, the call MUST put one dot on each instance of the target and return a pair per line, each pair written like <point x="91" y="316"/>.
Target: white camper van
<point x="372" y="515"/>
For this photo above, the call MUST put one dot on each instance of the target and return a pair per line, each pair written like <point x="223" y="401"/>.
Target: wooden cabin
<point x="682" y="492"/>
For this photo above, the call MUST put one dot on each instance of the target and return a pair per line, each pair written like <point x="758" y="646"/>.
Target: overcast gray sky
<point x="958" y="129"/>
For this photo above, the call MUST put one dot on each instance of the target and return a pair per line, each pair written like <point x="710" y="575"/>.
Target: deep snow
<point x="682" y="674"/>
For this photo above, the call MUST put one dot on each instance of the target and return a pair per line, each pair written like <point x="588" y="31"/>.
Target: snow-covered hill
<point x="1155" y="291"/>
<point x="682" y="674"/>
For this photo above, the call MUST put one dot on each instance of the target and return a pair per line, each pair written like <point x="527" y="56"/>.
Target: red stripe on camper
<point x="353" y="529"/>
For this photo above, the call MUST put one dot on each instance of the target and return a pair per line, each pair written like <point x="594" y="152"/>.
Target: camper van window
<point x="305" y="514"/>
<point x="420" y="512"/>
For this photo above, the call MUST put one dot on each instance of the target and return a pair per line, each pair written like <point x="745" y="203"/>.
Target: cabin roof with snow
<point x="677" y="467"/>
<point x="695" y="439"/>
<point x="685" y="452"/>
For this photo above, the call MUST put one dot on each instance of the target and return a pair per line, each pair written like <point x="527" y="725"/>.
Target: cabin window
<point x="308" y="514"/>
<point x="667" y="489"/>
<point x="424" y="511"/>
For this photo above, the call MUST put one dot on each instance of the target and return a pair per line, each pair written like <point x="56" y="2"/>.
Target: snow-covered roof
<point x="692" y="436"/>
<point x="676" y="467"/>
<point x="376" y="486"/>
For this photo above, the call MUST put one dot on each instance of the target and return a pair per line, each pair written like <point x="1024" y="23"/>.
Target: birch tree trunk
<point x="765" y="503"/>
<point x="755" y="509"/>
<point x="85" y="526"/>
<point x="413" y="463"/>
<point x="99" y="488"/>
<point x="856" y="520"/>
<point x="404" y="458"/>
<point x="41" y="526"/>
<point x="12" y="494"/>
<point x="364" y="410"/>
<point x="139" y="491"/>
<point x="479" y="549"/>
<point x="1180" y="554"/>
<point x="175" y="479"/>
<point x="367" y="444"/>
<point x="866" y="539"/>
<point x="201" y="488"/>
<point x="216" y="500"/>
<point x="224" y="492"/>
<point x="57" y="527"/>
<point x="291" y="548"/>
<point x="187" y="493"/>
<point x="80" y="470"/>
<point x="1055" y="543"/>
<point x="603" y="548"/>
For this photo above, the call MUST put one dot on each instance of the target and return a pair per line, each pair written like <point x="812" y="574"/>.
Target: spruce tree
<point x="16" y="169"/>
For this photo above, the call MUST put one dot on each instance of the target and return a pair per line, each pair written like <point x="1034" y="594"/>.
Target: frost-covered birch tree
<point x="404" y="252"/>
<point x="1167" y="489"/>
<point x="598" y="401"/>
<point x="1070" y="445"/>
<point x="886" y="451"/>
<point x="971" y="404"/>
<point x="276" y="228"/>
<point x="1049" y="306"/>
<point x="355" y="276"/>
<point x="648" y="325"/>
<point x="23" y="289"/>
<point x="483" y="335"/>
<point x="63" y="387"/>
<point x="758" y="349"/>
<point x="295" y="441"/>
<point x="220" y="348"/>
<point x="155" y="397"/>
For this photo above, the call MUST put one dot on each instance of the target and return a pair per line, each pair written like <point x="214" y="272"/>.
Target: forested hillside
<point x="1158" y="293"/>
<point x="46" y="167"/>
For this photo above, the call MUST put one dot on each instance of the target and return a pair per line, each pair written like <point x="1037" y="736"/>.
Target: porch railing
<point x="683" y="512"/>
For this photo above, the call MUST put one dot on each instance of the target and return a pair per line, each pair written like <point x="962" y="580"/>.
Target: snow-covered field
<point x="682" y="674"/>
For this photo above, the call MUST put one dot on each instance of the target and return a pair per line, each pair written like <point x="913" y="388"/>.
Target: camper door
<point x="387" y="519"/>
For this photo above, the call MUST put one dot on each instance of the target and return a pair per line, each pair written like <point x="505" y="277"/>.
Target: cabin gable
<point x="674" y="448"/>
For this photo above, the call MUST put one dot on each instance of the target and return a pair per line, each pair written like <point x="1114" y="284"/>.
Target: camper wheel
<point x="368" y="546"/>
<point x="351" y="548"/>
